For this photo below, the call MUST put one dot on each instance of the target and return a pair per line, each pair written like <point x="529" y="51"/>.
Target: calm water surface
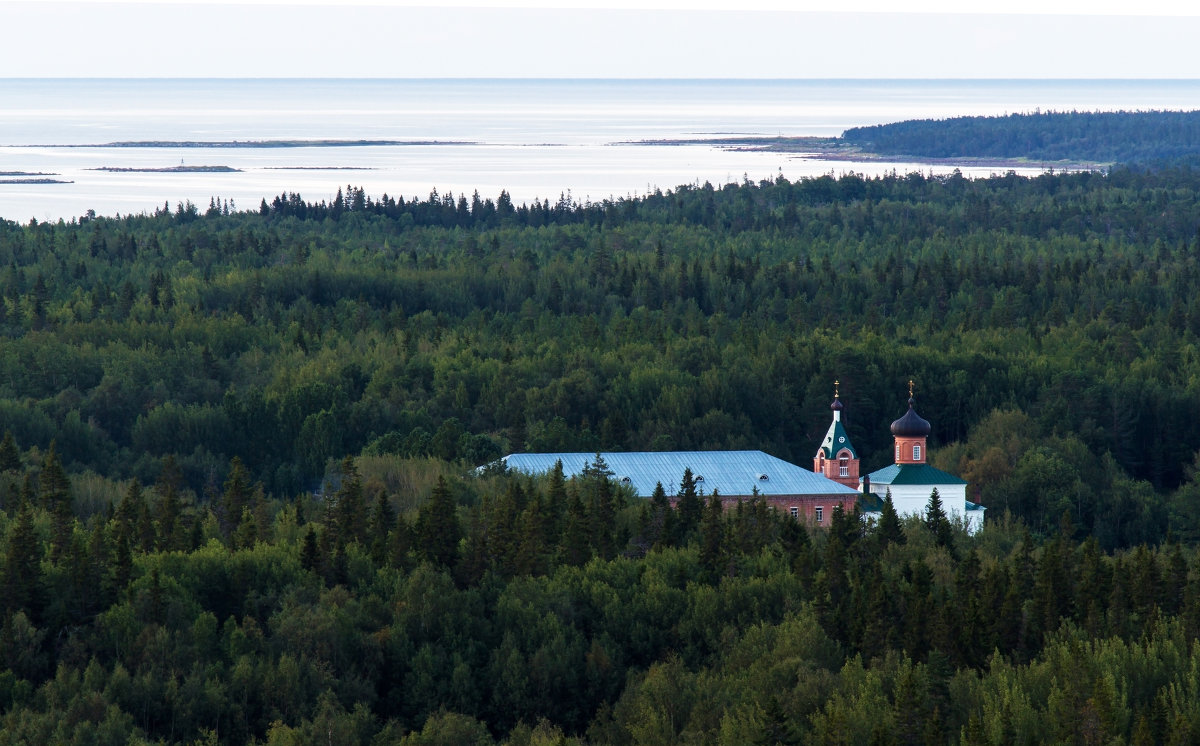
<point x="537" y="139"/>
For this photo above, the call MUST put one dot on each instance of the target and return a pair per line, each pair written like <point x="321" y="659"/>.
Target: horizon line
<point x="585" y="78"/>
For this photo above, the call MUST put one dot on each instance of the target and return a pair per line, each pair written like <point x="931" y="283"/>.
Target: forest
<point x="241" y="504"/>
<point x="1088" y="136"/>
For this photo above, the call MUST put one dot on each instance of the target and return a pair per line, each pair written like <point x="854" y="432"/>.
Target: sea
<point x="102" y="145"/>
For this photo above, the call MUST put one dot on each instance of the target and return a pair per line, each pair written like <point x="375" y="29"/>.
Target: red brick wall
<point x="830" y="468"/>
<point x="805" y="505"/>
<point x="905" y="456"/>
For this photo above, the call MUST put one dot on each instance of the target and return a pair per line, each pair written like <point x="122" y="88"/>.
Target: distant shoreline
<point x="319" y="168"/>
<point x="253" y="144"/>
<point x="169" y="170"/>
<point x="833" y="149"/>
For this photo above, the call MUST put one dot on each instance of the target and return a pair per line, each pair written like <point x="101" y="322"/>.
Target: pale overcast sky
<point x="624" y="38"/>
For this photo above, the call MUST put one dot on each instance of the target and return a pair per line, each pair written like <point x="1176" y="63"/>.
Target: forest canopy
<point x="239" y="502"/>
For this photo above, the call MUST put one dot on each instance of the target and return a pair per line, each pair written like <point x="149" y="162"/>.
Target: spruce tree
<point x="98" y="555"/>
<point x="169" y="509"/>
<point x="54" y="492"/>
<point x="889" y="530"/>
<point x="602" y="517"/>
<point x="712" y="539"/>
<point x="531" y="550"/>
<point x="400" y="547"/>
<point x="349" y="511"/>
<point x="438" y="529"/>
<point x="383" y="520"/>
<point x="556" y="497"/>
<point x="10" y="455"/>
<point x="688" y="508"/>
<point x="127" y="509"/>
<point x="661" y="529"/>
<point x="310" y="556"/>
<point x="938" y="524"/>
<point x="235" y="497"/>
<point x="575" y="547"/>
<point x="246" y="535"/>
<point x="601" y="506"/>
<point x="122" y="565"/>
<point x="23" y="566"/>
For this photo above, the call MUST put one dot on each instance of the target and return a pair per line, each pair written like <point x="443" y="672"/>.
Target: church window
<point x="916" y="453"/>
<point x="843" y="467"/>
<point x="795" y="512"/>
<point x="820" y="513"/>
<point x="897" y="451"/>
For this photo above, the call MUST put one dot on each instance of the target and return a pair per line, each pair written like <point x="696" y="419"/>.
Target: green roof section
<point x="870" y="503"/>
<point x="913" y="474"/>
<point x="837" y="439"/>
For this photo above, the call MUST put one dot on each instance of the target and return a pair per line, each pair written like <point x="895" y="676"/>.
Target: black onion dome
<point x="911" y="425"/>
<point x="837" y="404"/>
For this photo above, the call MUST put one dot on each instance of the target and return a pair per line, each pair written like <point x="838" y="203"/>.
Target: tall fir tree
<point x="235" y="497"/>
<point x="938" y="524"/>
<point x="438" y="530"/>
<point x="661" y="526"/>
<point x="688" y="508"/>
<point x="54" y="492"/>
<point x="349" y="512"/>
<point x="10" y="455"/>
<point x="890" y="530"/>
<point x="575" y="545"/>
<point x="383" y="522"/>
<point x="23" y="566"/>
<point x="712" y="539"/>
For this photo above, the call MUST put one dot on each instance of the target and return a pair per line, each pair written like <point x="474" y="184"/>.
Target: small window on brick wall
<point x="795" y="512"/>
<point x="820" y="513"/>
<point x="916" y="453"/>
<point x="843" y="467"/>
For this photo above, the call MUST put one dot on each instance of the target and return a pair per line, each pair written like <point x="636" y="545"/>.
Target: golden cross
<point x="835" y="388"/>
<point x="910" y="388"/>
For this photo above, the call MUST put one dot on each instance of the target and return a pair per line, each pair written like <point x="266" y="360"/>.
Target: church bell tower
<point x="910" y="432"/>
<point x="836" y="459"/>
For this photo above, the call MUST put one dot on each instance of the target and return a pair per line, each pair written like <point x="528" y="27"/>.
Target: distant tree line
<point x="1124" y="137"/>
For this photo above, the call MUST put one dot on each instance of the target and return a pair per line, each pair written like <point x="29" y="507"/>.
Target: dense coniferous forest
<point x="1090" y="136"/>
<point x="240" y="505"/>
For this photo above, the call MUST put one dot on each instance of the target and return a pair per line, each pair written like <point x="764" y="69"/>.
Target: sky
<point x="617" y="39"/>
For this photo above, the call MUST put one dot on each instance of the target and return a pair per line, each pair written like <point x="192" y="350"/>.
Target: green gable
<point x="835" y="440"/>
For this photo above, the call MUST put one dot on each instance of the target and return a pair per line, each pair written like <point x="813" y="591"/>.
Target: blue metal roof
<point x="731" y="473"/>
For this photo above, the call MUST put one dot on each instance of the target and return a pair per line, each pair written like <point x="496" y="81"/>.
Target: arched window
<point x="843" y="467"/>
